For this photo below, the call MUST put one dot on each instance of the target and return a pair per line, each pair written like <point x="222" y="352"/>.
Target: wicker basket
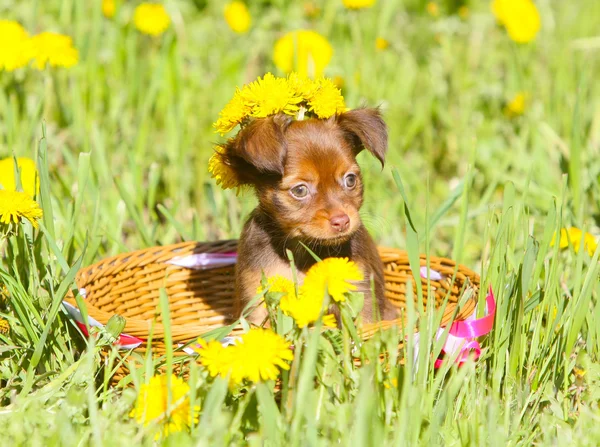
<point x="202" y="300"/>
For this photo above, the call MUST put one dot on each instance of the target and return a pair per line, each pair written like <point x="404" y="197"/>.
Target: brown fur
<point x="275" y="155"/>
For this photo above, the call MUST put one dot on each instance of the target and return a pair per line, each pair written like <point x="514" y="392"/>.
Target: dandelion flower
<point x="15" y="205"/>
<point x="304" y="310"/>
<point x="4" y="294"/>
<point x="257" y="356"/>
<point x="270" y="95"/>
<point x="358" y="4"/>
<point x="152" y="405"/>
<point x="311" y="10"/>
<point x="433" y="9"/>
<point x="232" y="114"/>
<point x="15" y="46"/>
<point x="329" y="320"/>
<point x="391" y="383"/>
<point x="279" y="284"/>
<point x="574" y="235"/>
<point x="521" y="18"/>
<point x="53" y="49"/>
<point x="151" y="18"/>
<point x="238" y="17"/>
<point x="108" y="8"/>
<point x="220" y="171"/>
<point x="333" y="275"/>
<point x="516" y="106"/>
<point x="303" y="51"/>
<point x="4" y="326"/>
<point x="261" y="353"/>
<point x="215" y="357"/>
<point x="463" y="12"/>
<point x="327" y="99"/>
<point x="265" y="96"/>
<point x="28" y="172"/>
<point x="381" y="43"/>
<point x="339" y="82"/>
<point x="303" y="86"/>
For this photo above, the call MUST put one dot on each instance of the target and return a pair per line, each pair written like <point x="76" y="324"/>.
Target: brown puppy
<point x="310" y="190"/>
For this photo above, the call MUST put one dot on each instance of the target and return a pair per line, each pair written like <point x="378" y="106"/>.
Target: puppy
<point x="310" y="190"/>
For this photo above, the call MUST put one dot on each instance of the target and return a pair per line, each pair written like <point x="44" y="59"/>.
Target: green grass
<point x="123" y="139"/>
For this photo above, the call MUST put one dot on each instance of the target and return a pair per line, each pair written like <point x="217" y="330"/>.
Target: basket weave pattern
<point x="202" y="300"/>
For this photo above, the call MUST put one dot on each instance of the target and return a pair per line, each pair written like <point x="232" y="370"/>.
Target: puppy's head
<point x="305" y="172"/>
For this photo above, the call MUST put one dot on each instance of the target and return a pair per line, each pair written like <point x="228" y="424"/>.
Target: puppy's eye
<point x="299" y="191"/>
<point x="350" y="181"/>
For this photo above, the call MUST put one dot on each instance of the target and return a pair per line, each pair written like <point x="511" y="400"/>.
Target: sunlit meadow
<point x="494" y="161"/>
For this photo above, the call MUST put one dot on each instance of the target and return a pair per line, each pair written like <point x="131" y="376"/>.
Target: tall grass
<point x="122" y="142"/>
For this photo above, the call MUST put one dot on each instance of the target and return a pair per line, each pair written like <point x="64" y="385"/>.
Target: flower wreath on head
<point x="295" y="95"/>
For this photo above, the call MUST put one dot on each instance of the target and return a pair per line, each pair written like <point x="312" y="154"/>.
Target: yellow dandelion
<point x="258" y="356"/>
<point x="499" y="9"/>
<point x="327" y="100"/>
<point x="463" y="12"/>
<point x="28" y="172"/>
<point x="304" y="310"/>
<point x="516" y="106"/>
<point x="108" y="8"/>
<point x="216" y="358"/>
<point x="521" y="18"/>
<point x="381" y="43"/>
<point x="4" y="326"/>
<point x="339" y="82"/>
<point x="433" y="9"/>
<point x="152" y="405"/>
<point x="579" y="372"/>
<point x="358" y="4"/>
<point x="523" y="24"/>
<point x="333" y="275"/>
<point x="220" y="171"/>
<point x="392" y="383"/>
<point x="303" y="51"/>
<point x="233" y="113"/>
<point x="151" y="18"/>
<point x="262" y="353"/>
<point x="574" y="235"/>
<point x="15" y="46"/>
<point x="303" y="86"/>
<point x="311" y="10"/>
<point x="329" y="320"/>
<point x="270" y="95"/>
<point x="278" y="284"/>
<point x="15" y="205"/>
<point x="4" y="293"/>
<point x="238" y="17"/>
<point x="53" y="49"/>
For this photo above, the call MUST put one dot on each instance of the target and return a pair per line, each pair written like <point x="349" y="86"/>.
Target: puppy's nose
<point x="340" y="222"/>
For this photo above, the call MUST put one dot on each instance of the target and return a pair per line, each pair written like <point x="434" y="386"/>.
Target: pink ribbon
<point x="462" y="334"/>
<point x="124" y="341"/>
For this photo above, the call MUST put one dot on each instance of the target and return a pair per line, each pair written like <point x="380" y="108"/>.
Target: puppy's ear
<point x="262" y="144"/>
<point x="365" y="128"/>
<point x="258" y="151"/>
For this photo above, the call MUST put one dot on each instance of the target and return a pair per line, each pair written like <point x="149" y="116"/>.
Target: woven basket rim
<point x="179" y="332"/>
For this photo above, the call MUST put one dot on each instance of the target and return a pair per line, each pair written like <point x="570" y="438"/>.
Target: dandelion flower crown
<point x="295" y="96"/>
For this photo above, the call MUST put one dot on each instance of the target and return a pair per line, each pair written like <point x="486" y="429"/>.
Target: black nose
<point x="340" y="222"/>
